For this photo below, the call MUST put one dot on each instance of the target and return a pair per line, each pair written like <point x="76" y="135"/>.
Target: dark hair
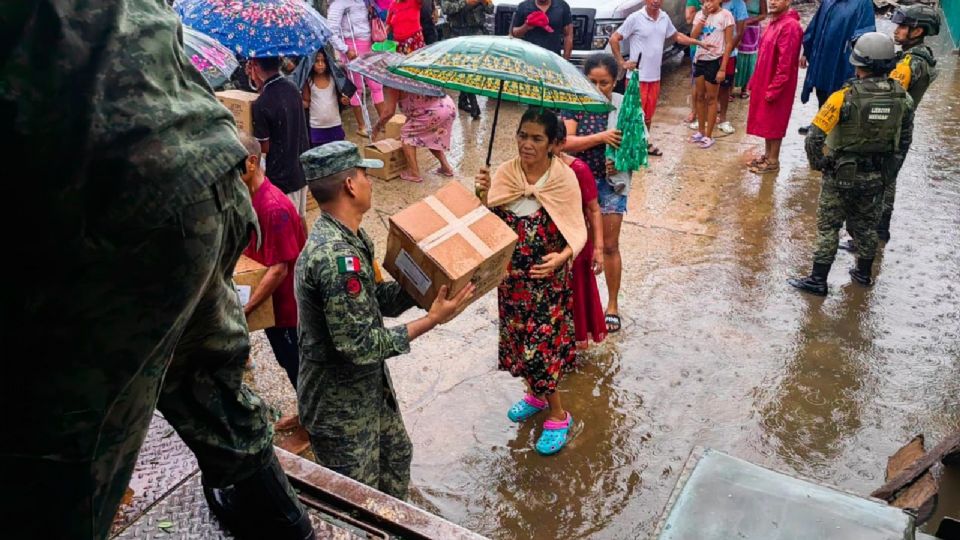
<point x="604" y="60"/>
<point x="546" y="118"/>
<point x="561" y="129"/>
<point x="268" y="63"/>
<point x="328" y="188"/>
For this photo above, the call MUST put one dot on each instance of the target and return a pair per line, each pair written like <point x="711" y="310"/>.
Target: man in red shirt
<point x="281" y="239"/>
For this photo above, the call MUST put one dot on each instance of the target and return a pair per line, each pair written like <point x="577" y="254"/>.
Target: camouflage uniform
<point x="857" y="200"/>
<point x="127" y="300"/>
<point x="915" y="71"/>
<point x="464" y="20"/>
<point x="345" y="396"/>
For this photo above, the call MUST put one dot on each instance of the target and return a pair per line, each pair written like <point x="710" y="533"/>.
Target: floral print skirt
<point x="536" y="315"/>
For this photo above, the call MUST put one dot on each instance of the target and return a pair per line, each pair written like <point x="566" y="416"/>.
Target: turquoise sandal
<point x="525" y="408"/>
<point x="554" y="436"/>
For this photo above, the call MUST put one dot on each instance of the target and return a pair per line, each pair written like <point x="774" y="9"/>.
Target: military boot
<point x="862" y="272"/>
<point x="262" y="506"/>
<point x="474" y="106"/>
<point x="883" y="228"/>
<point x="463" y="103"/>
<point x="815" y="283"/>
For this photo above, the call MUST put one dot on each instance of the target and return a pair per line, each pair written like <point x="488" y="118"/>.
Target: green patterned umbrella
<point x="632" y="154"/>
<point x="505" y="69"/>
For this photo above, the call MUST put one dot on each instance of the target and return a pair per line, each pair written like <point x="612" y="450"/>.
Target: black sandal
<point x="613" y="323"/>
<point x="653" y="151"/>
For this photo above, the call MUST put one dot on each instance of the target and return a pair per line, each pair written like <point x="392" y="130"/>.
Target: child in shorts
<point x="714" y="26"/>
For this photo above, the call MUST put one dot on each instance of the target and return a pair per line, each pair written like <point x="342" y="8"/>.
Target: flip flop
<point x="613" y="323"/>
<point x="653" y="151"/>
<point x="441" y="172"/>
<point x="706" y="142"/>
<point x="757" y="162"/>
<point x="696" y="138"/>
<point x="411" y="178"/>
<point x="765" y="168"/>
<point x="525" y="408"/>
<point x="554" y="436"/>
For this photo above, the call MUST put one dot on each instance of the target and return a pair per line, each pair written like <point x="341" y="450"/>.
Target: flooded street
<point x="716" y="349"/>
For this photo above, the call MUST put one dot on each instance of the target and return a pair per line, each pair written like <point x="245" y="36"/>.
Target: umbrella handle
<point x="493" y="129"/>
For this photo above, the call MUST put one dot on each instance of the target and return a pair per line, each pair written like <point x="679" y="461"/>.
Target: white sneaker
<point x="726" y="128"/>
<point x="694" y="125"/>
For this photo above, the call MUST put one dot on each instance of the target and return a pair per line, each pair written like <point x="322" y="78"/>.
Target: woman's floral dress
<point x="536" y="315"/>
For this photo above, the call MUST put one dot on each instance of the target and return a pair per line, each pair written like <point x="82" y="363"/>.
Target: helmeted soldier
<point x="345" y="396"/>
<point x="467" y="18"/>
<point x="866" y="128"/>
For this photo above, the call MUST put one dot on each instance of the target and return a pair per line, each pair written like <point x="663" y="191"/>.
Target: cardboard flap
<point x="246" y="264"/>
<point x="386" y="145"/>
<point x="238" y="95"/>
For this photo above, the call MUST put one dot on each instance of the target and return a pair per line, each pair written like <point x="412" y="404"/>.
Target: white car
<point x="594" y="21"/>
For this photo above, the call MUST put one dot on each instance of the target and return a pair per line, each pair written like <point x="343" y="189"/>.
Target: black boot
<point x="849" y="245"/>
<point x="861" y="274"/>
<point x="463" y="102"/>
<point x="883" y="228"/>
<point x="474" y="106"/>
<point x="815" y="283"/>
<point x="262" y="506"/>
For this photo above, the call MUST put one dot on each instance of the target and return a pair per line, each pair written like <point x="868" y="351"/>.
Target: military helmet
<point x="926" y="17"/>
<point x="874" y="51"/>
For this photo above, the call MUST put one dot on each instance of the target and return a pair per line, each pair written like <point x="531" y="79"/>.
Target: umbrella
<point x="632" y="154"/>
<point x="505" y="69"/>
<point x="257" y="28"/>
<point x="374" y="65"/>
<point x="214" y="61"/>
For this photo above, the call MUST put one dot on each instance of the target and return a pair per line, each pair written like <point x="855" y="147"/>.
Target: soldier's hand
<point x="444" y="309"/>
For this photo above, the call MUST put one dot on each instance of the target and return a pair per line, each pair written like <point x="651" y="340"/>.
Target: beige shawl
<point x="560" y="196"/>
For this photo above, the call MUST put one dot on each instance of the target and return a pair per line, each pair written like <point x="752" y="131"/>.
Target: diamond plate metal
<point x="164" y="462"/>
<point x="187" y="512"/>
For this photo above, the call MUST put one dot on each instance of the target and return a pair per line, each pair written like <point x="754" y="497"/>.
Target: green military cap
<point x="334" y="157"/>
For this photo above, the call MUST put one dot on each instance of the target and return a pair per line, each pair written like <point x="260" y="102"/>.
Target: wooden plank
<point x="947" y="447"/>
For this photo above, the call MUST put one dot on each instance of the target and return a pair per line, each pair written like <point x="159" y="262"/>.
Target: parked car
<point x="594" y="21"/>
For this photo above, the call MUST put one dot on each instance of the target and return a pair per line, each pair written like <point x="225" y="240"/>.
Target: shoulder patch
<point x="829" y="115"/>
<point x="352" y="285"/>
<point x="903" y="73"/>
<point x="348" y="264"/>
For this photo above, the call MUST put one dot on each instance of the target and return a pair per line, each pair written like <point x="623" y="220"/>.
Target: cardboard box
<point x="240" y="104"/>
<point x="392" y="129"/>
<point x="389" y="152"/>
<point x="448" y="238"/>
<point x="246" y="276"/>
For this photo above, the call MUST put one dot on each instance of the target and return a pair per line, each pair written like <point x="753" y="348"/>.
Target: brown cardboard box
<point x="448" y="238"/>
<point x="312" y="203"/>
<point x="389" y="152"/>
<point x="393" y="126"/>
<point x="239" y="103"/>
<point x="246" y="276"/>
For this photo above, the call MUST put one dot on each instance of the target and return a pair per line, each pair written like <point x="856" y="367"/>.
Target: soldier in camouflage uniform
<point x="467" y="18"/>
<point x="916" y="69"/>
<point x="345" y="396"/>
<point x="126" y="302"/>
<point x="867" y="128"/>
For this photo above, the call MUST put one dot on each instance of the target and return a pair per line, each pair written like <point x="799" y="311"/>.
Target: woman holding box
<point x="538" y="196"/>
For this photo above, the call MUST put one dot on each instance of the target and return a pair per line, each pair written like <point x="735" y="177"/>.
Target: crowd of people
<point x="179" y="342"/>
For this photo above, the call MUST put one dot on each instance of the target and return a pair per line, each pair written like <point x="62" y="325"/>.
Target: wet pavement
<point x="716" y="350"/>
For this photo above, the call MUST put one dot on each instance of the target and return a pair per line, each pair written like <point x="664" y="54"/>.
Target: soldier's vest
<point x="870" y="118"/>
<point x="925" y="72"/>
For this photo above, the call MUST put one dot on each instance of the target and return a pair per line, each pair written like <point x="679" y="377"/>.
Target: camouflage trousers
<point x="143" y="315"/>
<point x="859" y="209"/>
<point x="889" y="196"/>
<point x="361" y="433"/>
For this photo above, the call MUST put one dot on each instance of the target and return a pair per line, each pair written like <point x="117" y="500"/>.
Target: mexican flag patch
<point x="348" y="264"/>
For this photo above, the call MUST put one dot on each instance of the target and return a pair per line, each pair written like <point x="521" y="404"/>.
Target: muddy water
<point x="716" y="349"/>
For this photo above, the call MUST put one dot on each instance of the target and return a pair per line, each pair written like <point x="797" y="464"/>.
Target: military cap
<point x="334" y="157"/>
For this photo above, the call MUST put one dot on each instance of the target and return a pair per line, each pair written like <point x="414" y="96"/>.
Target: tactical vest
<point x="870" y="118"/>
<point x="923" y="71"/>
